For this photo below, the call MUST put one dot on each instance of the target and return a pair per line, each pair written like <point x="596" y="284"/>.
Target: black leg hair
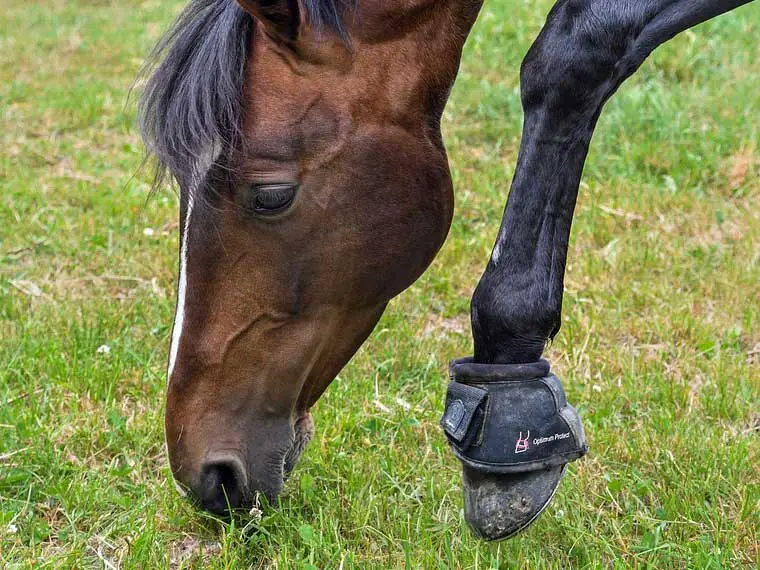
<point x="585" y="51"/>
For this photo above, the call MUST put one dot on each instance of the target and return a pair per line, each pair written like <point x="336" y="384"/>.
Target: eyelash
<point x="271" y="199"/>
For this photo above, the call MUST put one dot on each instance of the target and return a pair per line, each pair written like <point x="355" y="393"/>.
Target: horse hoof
<point x="514" y="432"/>
<point x="498" y="506"/>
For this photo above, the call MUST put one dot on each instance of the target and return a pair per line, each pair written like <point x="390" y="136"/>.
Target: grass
<point x="660" y="346"/>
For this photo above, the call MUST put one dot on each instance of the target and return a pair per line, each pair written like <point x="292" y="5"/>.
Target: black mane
<point x="190" y="109"/>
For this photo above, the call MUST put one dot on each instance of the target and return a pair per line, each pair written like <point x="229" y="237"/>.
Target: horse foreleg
<point x="584" y="52"/>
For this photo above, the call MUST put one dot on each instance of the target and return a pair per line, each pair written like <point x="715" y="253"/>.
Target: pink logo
<point x="522" y="443"/>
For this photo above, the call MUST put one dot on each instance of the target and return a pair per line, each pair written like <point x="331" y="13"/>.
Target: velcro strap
<point x="464" y="405"/>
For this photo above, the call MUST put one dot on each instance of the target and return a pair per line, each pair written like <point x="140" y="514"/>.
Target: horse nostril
<point x="222" y="485"/>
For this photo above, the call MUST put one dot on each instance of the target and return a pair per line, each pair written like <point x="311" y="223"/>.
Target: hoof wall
<point x="498" y="506"/>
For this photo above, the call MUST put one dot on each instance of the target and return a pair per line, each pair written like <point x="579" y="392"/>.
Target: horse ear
<point x="280" y="18"/>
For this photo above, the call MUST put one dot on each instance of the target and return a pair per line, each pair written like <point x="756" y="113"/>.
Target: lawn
<point x="660" y="345"/>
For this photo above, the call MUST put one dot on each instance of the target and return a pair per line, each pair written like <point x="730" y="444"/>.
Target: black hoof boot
<point x="514" y="432"/>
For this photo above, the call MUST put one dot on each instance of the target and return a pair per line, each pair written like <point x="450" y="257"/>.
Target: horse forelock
<point x="190" y="111"/>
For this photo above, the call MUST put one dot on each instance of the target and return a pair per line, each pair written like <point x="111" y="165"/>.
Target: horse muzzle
<point x="230" y="479"/>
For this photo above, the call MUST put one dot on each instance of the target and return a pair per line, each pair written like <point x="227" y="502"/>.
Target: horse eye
<point x="269" y="199"/>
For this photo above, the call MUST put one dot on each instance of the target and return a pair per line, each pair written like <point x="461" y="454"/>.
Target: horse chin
<point x="304" y="430"/>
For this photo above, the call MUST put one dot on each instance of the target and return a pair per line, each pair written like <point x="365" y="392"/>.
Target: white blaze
<point x="179" y="316"/>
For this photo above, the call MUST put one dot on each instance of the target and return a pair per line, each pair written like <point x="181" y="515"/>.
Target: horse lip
<point x="303" y="430"/>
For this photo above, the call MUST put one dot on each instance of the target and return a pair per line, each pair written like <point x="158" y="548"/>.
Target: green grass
<point x="660" y="346"/>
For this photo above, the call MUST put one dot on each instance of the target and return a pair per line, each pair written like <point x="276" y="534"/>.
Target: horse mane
<point x="190" y="109"/>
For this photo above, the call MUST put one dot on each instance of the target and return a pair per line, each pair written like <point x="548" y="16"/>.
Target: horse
<point x="304" y="136"/>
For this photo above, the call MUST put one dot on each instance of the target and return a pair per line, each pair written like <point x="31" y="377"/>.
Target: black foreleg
<point x="586" y="49"/>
